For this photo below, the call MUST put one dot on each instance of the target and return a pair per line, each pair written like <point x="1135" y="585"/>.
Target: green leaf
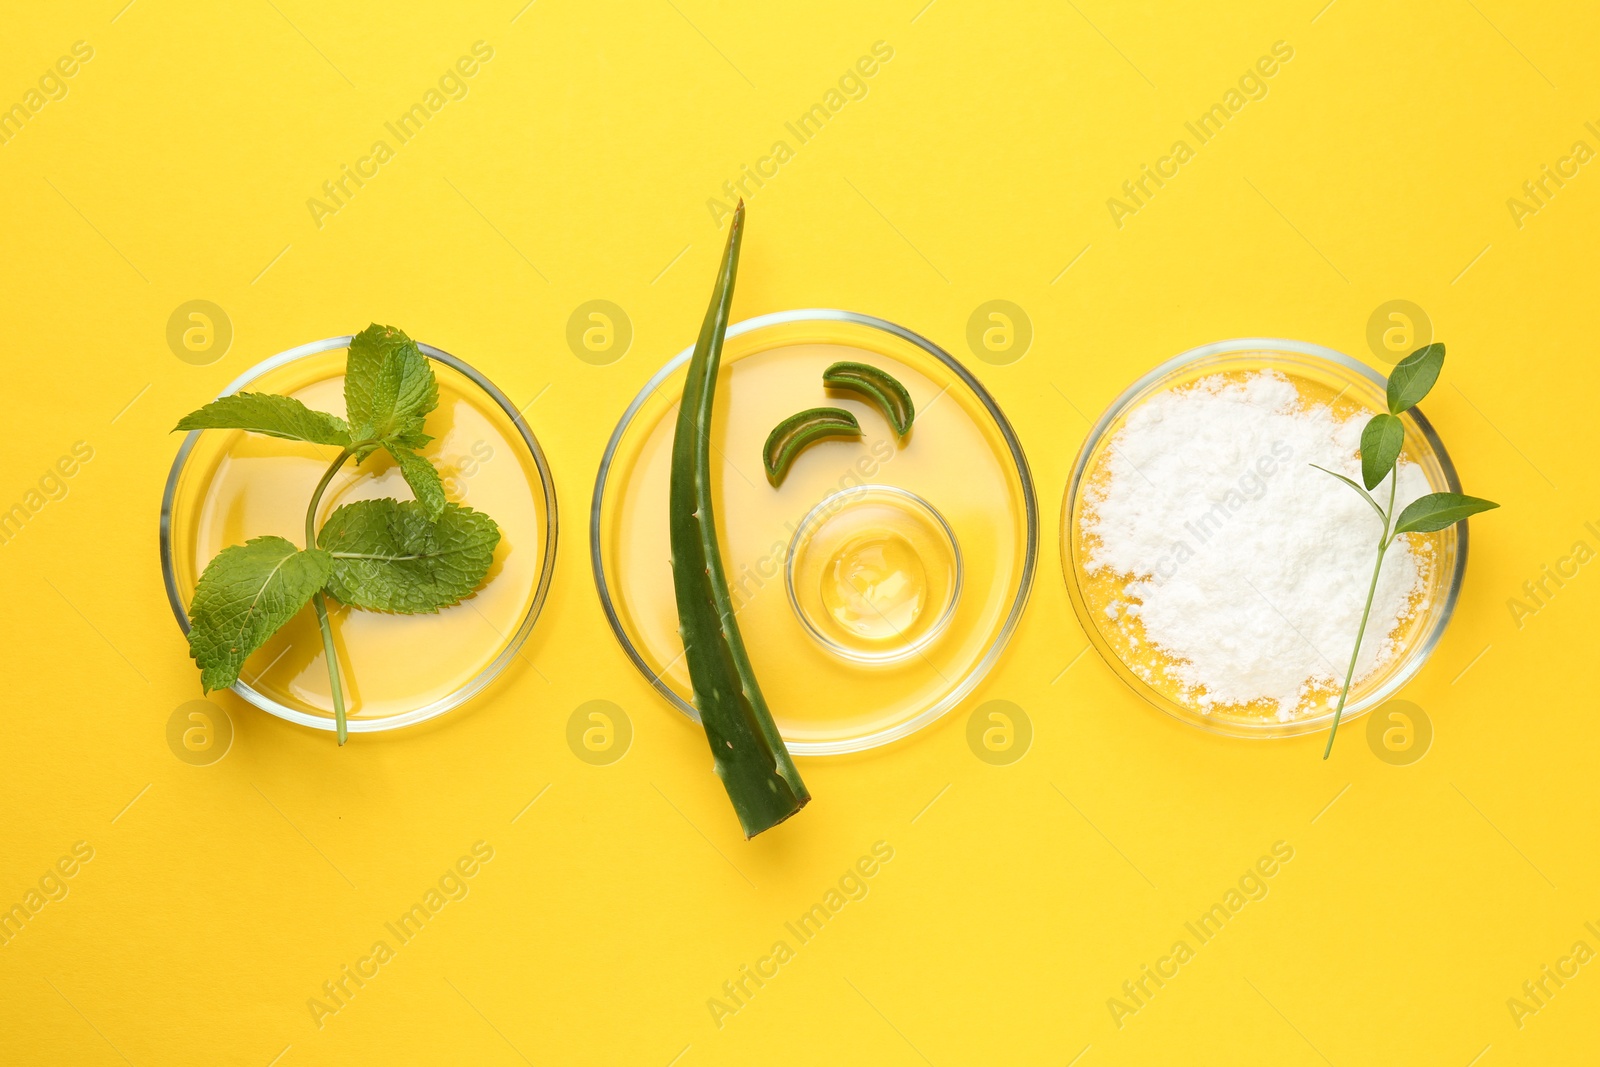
<point x="1413" y="376"/>
<point x="1354" y="485"/>
<point x="389" y="389"/>
<point x="275" y="416"/>
<point x="746" y="748"/>
<point x="246" y="593"/>
<point x="423" y="479"/>
<point x="1381" y="441"/>
<point x="389" y="556"/>
<point x="1438" y="510"/>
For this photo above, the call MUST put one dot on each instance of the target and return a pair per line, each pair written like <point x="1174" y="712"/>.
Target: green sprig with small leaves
<point x="401" y="556"/>
<point x="1381" y="442"/>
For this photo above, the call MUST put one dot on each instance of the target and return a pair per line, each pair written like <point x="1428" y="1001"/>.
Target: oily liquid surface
<point x="1154" y="665"/>
<point x="391" y="664"/>
<point x="875" y="587"/>
<point x="874" y="575"/>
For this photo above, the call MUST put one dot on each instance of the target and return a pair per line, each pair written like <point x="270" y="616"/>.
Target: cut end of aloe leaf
<point x="879" y="387"/>
<point x="784" y="814"/>
<point x="791" y="436"/>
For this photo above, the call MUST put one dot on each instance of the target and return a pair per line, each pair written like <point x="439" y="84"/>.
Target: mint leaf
<point x="1381" y="441"/>
<point x="388" y="555"/>
<point x="388" y="389"/>
<point x="275" y="416"/>
<point x="1413" y="376"/>
<point x="422" y="478"/>
<point x="1438" y="510"/>
<point x="246" y="593"/>
<point x="368" y="350"/>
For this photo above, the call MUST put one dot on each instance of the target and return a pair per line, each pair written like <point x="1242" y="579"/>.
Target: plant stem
<point x="1372" y="589"/>
<point x="321" y="604"/>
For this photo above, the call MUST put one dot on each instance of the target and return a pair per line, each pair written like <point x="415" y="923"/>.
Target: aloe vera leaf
<point x="791" y="436"/>
<point x="748" y="752"/>
<point x="878" y="386"/>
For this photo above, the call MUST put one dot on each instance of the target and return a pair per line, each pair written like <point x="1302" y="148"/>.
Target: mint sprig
<point x="409" y="557"/>
<point x="1382" y="440"/>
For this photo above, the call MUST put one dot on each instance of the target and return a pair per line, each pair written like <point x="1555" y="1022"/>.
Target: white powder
<point x="1244" y="565"/>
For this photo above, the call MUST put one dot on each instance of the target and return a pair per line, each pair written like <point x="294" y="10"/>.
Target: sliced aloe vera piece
<point x="878" y="386"/>
<point x="748" y="752"/>
<point x="790" y="437"/>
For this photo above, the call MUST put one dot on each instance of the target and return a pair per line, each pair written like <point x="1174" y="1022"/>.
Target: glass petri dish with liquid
<point x="227" y="486"/>
<point x="879" y="583"/>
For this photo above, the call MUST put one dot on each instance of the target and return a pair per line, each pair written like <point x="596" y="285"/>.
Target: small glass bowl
<point x="874" y="517"/>
<point x="209" y="458"/>
<point x="1354" y="387"/>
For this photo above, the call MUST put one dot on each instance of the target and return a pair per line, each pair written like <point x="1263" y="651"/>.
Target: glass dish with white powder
<point x="1219" y="573"/>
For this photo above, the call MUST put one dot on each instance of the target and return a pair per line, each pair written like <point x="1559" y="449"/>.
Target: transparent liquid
<point x="875" y="587"/>
<point x="875" y="573"/>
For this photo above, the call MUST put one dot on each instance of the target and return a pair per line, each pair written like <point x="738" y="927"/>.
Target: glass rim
<point x="979" y="671"/>
<point x="514" y="644"/>
<point x="1266" y="729"/>
<point x="825" y="509"/>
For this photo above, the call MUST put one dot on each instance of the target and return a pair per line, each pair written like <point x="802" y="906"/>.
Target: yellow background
<point x="178" y="167"/>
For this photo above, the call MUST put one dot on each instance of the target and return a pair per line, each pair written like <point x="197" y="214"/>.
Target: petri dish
<point x="1320" y="375"/>
<point x="874" y="573"/>
<point x="227" y="486"/>
<point x="961" y="463"/>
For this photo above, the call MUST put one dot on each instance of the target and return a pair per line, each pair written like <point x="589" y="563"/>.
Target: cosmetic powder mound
<point x="1237" y="567"/>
